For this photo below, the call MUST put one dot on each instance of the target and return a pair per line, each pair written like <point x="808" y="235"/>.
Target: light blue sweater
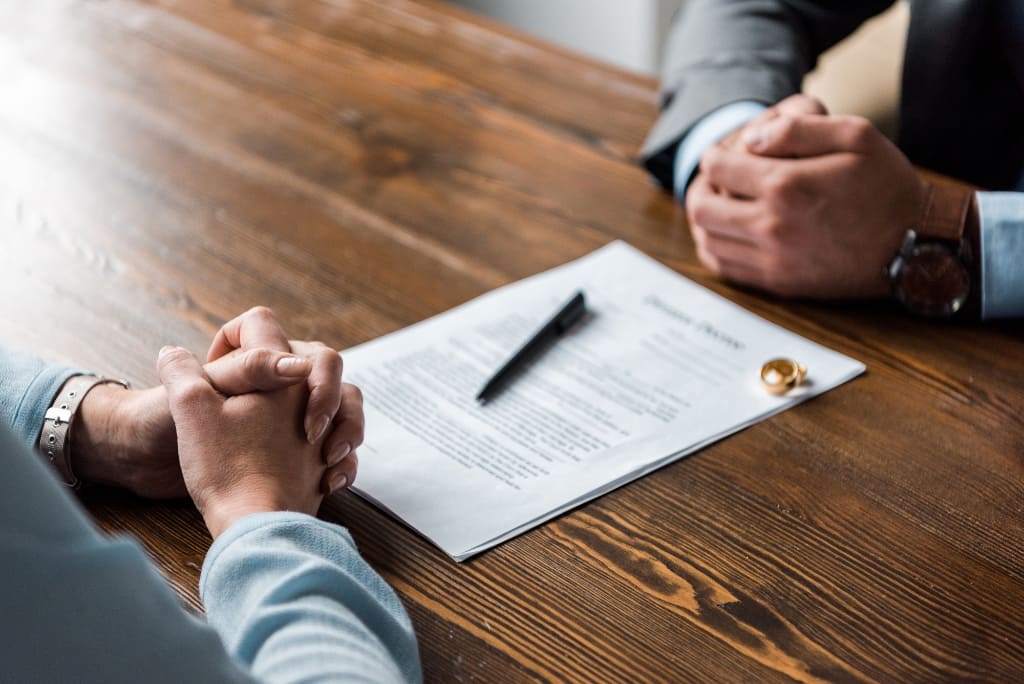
<point x="288" y="597"/>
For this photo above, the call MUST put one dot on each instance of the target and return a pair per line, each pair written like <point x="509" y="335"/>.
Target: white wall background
<point x="628" y="33"/>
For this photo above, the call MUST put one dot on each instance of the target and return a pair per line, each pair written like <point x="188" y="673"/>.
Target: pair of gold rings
<point x="781" y="375"/>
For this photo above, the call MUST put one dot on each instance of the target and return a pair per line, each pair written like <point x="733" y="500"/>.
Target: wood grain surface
<point x="359" y="166"/>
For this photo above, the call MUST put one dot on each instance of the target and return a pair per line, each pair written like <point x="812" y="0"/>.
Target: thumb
<point x="183" y="378"/>
<point x="809" y="136"/>
<point x="257" y="370"/>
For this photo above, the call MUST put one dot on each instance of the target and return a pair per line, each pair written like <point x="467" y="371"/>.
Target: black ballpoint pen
<point x="566" y="317"/>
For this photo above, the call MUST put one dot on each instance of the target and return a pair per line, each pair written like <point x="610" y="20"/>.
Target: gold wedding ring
<point x="781" y="375"/>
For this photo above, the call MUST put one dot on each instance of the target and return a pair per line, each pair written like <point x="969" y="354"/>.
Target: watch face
<point x="933" y="280"/>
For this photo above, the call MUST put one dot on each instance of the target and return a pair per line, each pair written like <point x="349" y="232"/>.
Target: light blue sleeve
<point x="292" y="599"/>
<point x="706" y="133"/>
<point x="76" y="606"/>
<point x="1002" y="254"/>
<point x="289" y="594"/>
<point x="27" y="386"/>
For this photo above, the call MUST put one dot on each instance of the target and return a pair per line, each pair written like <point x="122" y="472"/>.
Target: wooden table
<point x="359" y="166"/>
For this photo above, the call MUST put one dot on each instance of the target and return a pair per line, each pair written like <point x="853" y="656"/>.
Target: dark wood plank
<point x="362" y="165"/>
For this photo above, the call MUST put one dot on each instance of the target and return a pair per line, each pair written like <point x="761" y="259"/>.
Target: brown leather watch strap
<point x="970" y="252"/>
<point x="54" y="440"/>
<point x="945" y="213"/>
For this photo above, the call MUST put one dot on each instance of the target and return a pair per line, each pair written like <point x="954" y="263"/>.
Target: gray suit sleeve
<point x="722" y="51"/>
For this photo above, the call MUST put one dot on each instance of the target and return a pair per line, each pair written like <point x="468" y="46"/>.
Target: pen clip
<point x="572" y="314"/>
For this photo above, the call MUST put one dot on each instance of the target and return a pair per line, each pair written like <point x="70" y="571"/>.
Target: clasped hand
<point x="266" y="424"/>
<point x="801" y="203"/>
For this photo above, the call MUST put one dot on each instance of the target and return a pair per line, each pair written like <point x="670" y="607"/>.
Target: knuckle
<point x="861" y="131"/>
<point x="784" y="187"/>
<point x="261" y="313"/>
<point x="771" y="226"/>
<point x="777" y="185"/>
<point x="329" y="362"/>
<point x="256" y="362"/>
<point x="785" y="128"/>
<point x="805" y="104"/>
<point x="192" y="391"/>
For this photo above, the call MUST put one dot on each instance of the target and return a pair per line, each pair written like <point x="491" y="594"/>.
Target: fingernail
<point x="166" y="350"/>
<point x="338" y="481"/>
<point x="293" y="367"/>
<point x="338" y="454"/>
<point x="316" y="428"/>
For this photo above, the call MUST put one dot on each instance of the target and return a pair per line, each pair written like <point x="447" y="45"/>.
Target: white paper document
<point x="659" y="368"/>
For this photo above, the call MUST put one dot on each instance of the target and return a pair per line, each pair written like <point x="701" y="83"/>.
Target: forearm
<point x="111" y="431"/>
<point x="272" y="580"/>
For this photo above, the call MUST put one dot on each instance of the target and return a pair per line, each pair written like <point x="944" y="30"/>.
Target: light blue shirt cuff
<point x="290" y="595"/>
<point x="1002" y="254"/>
<point x="29" y="386"/>
<point x="705" y="133"/>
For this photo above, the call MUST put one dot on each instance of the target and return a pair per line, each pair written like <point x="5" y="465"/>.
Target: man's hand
<point x="794" y="105"/>
<point x="244" y="454"/>
<point x="816" y="207"/>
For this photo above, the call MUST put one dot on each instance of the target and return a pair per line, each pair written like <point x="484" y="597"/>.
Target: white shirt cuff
<point x="705" y="133"/>
<point x="1002" y="253"/>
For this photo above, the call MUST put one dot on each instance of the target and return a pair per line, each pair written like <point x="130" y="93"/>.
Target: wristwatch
<point x="931" y="274"/>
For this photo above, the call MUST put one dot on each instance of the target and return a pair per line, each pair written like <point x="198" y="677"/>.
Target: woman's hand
<point x="335" y="409"/>
<point x="258" y="328"/>
<point x="243" y="454"/>
<point x="127" y="438"/>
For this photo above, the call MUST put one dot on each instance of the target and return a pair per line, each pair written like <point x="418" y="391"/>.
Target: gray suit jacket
<point x="962" y="110"/>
